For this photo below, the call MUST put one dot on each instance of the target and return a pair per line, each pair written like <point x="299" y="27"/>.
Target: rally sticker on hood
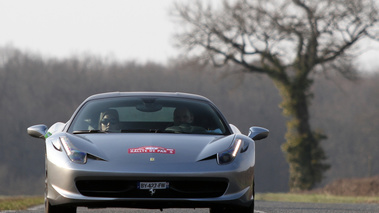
<point x="151" y="149"/>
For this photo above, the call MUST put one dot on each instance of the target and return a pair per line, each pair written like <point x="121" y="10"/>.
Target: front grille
<point x="177" y="188"/>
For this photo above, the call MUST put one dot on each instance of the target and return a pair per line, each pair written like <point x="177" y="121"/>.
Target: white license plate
<point x="153" y="185"/>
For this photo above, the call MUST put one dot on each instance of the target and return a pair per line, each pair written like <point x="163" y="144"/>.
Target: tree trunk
<point x="302" y="147"/>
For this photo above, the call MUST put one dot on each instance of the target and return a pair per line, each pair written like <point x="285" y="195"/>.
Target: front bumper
<point x="200" y="184"/>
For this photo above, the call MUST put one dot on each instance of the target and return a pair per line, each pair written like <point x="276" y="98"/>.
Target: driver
<point x="109" y="121"/>
<point x="183" y="122"/>
<point x="182" y="116"/>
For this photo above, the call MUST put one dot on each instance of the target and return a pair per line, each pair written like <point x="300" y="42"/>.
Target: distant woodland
<point x="38" y="90"/>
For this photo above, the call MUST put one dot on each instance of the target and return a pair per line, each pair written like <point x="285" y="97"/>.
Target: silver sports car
<point x="148" y="150"/>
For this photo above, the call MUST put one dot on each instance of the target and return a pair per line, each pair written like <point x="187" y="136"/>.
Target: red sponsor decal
<point x="151" y="149"/>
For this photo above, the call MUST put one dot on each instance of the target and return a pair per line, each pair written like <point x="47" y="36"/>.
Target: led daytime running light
<point x="65" y="143"/>
<point x="237" y="146"/>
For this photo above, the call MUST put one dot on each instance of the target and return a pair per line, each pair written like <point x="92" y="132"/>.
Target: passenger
<point x="110" y="121"/>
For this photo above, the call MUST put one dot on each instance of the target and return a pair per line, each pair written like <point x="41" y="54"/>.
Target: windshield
<point x="148" y="115"/>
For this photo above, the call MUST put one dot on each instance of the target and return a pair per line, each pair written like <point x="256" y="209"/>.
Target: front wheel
<point x="249" y="209"/>
<point x="239" y="209"/>
<point x="55" y="209"/>
<point x="232" y="209"/>
<point x="58" y="209"/>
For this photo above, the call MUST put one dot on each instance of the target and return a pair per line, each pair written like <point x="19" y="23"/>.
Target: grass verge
<point x="314" y="198"/>
<point x="19" y="202"/>
<point x="25" y="202"/>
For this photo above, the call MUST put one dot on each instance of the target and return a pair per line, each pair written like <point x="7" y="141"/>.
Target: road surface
<point x="261" y="207"/>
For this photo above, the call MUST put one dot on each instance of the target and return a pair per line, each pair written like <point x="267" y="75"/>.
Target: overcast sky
<point x="124" y="29"/>
<point x="139" y="30"/>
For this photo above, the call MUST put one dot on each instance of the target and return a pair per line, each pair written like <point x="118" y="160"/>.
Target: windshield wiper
<point x="141" y="131"/>
<point x="87" y="131"/>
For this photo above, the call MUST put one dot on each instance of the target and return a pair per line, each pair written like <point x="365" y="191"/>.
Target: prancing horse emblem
<point x="152" y="191"/>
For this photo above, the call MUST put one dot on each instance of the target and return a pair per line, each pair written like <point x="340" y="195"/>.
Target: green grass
<point x="314" y="198"/>
<point x="19" y="202"/>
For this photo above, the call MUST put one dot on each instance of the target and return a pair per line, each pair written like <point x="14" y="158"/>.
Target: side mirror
<point x="258" y="133"/>
<point x="38" y="131"/>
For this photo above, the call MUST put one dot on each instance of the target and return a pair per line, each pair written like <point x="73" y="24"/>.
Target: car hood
<point x="164" y="148"/>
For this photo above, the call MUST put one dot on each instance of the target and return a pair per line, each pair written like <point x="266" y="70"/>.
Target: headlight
<point x="72" y="153"/>
<point x="230" y="154"/>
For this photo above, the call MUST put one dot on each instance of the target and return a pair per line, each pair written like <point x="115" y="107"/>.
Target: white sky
<point x="124" y="29"/>
<point x="140" y="30"/>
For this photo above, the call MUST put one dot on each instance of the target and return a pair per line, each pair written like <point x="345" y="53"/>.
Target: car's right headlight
<point x="72" y="152"/>
<point x="230" y="154"/>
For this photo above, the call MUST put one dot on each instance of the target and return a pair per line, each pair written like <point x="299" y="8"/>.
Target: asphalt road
<point x="260" y="207"/>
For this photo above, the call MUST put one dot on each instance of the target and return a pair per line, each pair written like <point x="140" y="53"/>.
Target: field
<point x="350" y="190"/>
<point x="20" y="202"/>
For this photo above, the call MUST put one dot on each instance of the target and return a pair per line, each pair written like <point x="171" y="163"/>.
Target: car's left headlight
<point x="72" y="152"/>
<point x="230" y="154"/>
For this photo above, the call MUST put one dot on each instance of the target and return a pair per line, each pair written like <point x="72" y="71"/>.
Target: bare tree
<point x="287" y="40"/>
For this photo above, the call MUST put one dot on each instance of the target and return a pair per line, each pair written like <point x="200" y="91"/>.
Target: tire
<point x="220" y="209"/>
<point x="58" y="209"/>
<point x="249" y="209"/>
<point x="232" y="209"/>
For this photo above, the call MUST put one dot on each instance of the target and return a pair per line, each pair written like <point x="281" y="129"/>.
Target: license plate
<point x="153" y="185"/>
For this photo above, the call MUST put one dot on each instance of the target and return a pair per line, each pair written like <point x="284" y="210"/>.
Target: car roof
<point x="147" y="94"/>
